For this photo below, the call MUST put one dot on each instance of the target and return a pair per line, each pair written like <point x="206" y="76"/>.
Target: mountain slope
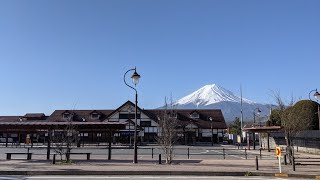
<point x="216" y="97"/>
<point x="211" y="94"/>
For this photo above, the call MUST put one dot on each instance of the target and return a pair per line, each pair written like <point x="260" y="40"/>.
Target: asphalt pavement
<point x="195" y="161"/>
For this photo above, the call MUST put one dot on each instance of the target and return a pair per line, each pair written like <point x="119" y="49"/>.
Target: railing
<point x="153" y="152"/>
<point x="304" y="161"/>
<point x="211" y="152"/>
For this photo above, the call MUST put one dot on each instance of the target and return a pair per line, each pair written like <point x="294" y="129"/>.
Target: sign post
<point x="278" y="153"/>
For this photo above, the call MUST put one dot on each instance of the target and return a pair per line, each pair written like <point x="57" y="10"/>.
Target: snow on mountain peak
<point x="211" y="94"/>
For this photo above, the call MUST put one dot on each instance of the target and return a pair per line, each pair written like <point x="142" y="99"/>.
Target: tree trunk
<point x="289" y="147"/>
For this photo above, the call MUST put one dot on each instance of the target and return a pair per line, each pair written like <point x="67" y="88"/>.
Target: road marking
<point x="228" y="154"/>
<point x="207" y="151"/>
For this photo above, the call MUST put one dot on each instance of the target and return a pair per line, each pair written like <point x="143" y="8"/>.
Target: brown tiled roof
<point x="34" y="115"/>
<point x="10" y="118"/>
<point x="183" y="115"/>
<point x="79" y="115"/>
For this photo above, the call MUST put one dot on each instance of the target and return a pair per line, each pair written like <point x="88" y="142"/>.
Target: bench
<point x="10" y="154"/>
<point x="88" y="155"/>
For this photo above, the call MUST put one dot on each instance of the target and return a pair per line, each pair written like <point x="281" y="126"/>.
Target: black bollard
<point x="188" y="153"/>
<point x="260" y="154"/>
<point x="224" y="153"/>
<point x="257" y="163"/>
<point x="152" y="153"/>
<point x="285" y="159"/>
<point x="293" y="164"/>
<point x="159" y="158"/>
<point x="54" y="159"/>
<point x="245" y="153"/>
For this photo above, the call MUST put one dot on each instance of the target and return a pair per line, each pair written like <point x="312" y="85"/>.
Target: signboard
<point x="278" y="152"/>
<point x="126" y="133"/>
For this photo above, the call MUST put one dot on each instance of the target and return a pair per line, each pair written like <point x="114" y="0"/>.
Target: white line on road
<point x="228" y="154"/>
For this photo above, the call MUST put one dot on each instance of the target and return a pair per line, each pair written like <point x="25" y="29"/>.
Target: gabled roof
<point x="124" y="104"/>
<point x="129" y="121"/>
<point x="183" y="115"/>
<point x="194" y="112"/>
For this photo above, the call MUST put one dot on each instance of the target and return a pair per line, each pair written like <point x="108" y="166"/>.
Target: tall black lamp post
<point x="254" y="124"/>
<point x="135" y="79"/>
<point x="129" y="120"/>
<point x="317" y="97"/>
<point x="211" y="119"/>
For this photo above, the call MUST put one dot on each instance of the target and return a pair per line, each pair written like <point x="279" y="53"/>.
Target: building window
<point x="173" y="115"/>
<point x="128" y="116"/>
<point x="66" y="116"/>
<point x="145" y="123"/>
<point x="194" y="115"/>
<point x="95" y="116"/>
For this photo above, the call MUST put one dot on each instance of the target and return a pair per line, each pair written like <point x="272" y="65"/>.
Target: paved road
<point x="142" y="177"/>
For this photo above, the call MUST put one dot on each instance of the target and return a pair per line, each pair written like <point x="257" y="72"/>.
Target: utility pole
<point x="241" y="119"/>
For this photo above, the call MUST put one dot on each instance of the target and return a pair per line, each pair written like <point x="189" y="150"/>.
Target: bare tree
<point x="65" y="139"/>
<point x="293" y="119"/>
<point x="168" y="134"/>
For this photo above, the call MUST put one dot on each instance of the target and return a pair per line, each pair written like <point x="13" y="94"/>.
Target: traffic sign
<point x="278" y="152"/>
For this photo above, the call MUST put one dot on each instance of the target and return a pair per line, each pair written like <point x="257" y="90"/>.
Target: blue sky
<point x="73" y="54"/>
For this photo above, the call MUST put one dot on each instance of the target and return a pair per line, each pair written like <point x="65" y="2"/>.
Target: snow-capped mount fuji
<point x="211" y="94"/>
<point x="216" y="97"/>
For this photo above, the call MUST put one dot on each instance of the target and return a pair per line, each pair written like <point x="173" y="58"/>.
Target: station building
<point x="98" y="126"/>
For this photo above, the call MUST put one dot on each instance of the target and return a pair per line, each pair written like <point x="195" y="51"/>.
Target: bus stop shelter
<point x="261" y="129"/>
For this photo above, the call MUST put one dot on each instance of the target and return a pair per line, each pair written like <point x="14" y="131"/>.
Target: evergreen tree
<point x="235" y="127"/>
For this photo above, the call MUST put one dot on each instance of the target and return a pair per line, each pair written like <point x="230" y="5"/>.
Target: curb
<point x="164" y="173"/>
<point x="80" y="172"/>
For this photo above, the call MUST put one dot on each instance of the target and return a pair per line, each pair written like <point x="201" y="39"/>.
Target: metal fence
<point x="146" y="153"/>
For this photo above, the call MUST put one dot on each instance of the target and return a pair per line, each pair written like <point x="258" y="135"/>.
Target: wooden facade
<point x="103" y="126"/>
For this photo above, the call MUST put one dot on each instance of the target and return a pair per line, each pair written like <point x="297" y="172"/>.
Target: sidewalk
<point x="150" y="167"/>
<point x="122" y="165"/>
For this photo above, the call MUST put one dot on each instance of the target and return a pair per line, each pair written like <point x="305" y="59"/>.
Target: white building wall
<point x="143" y="117"/>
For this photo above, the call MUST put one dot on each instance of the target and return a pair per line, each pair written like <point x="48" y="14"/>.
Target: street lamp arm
<point x="124" y="79"/>
<point x="257" y="109"/>
<point x="311" y="92"/>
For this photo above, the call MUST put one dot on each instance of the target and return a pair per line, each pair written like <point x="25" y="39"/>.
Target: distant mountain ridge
<point x="216" y="97"/>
